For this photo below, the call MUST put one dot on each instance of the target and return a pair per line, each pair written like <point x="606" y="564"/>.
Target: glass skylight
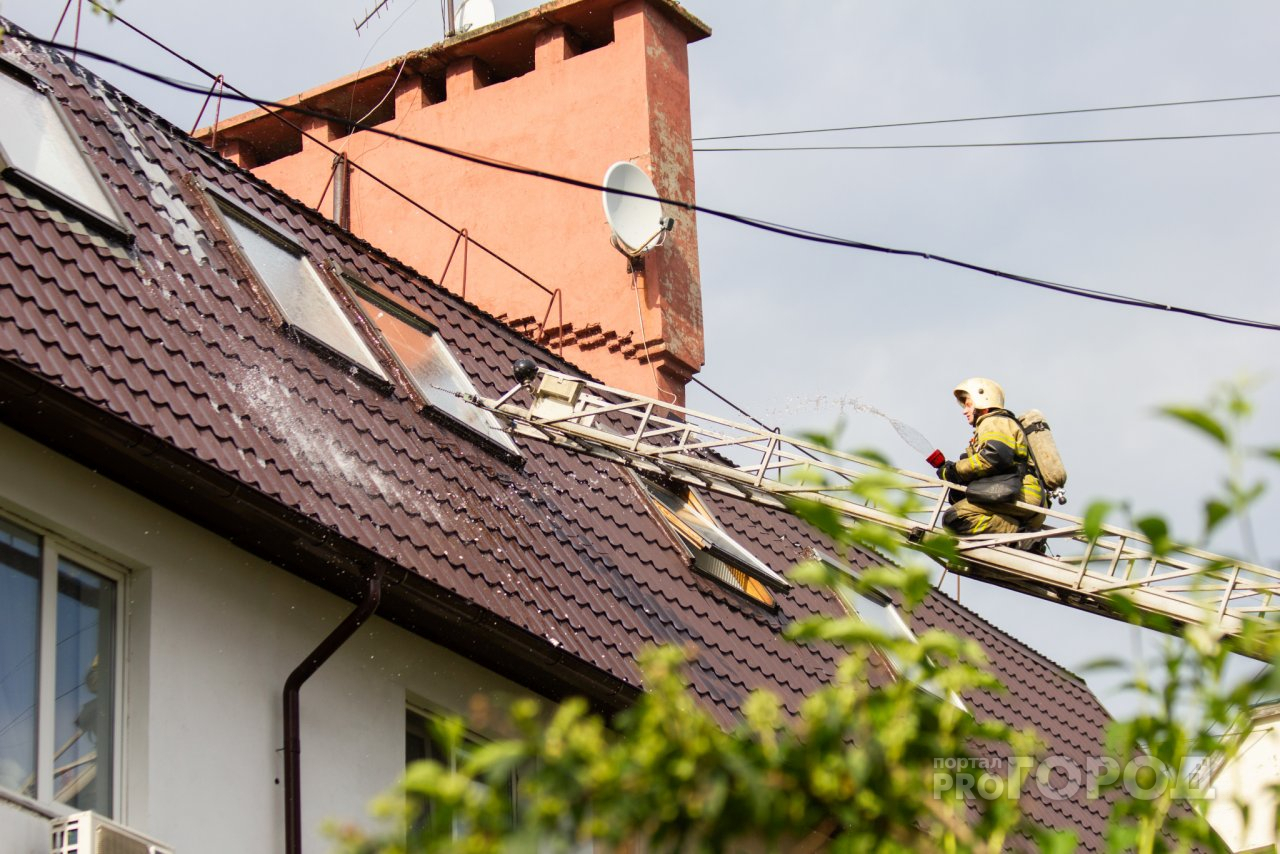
<point x="877" y="610"/>
<point x="434" y="371"/>
<point x="35" y="142"/>
<point x="304" y="300"/>
<point x="715" y="552"/>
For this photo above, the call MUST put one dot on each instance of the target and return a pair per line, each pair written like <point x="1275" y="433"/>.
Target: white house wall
<point x="211" y="634"/>
<point x="1248" y="779"/>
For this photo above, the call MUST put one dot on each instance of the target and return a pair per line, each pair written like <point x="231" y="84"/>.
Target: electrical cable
<point x="987" y="118"/>
<point x="763" y="225"/>
<point x="644" y="338"/>
<point x="239" y="95"/>
<point x="735" y="407"/>
<point x="987" y="144"/>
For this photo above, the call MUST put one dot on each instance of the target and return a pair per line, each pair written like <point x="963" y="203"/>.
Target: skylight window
<point x="878" y="611"/>
<point x="37" y="145"/>
<point x="306" y="302"/>
<point x="435" y="373"/>
<point x="715" y="552"/>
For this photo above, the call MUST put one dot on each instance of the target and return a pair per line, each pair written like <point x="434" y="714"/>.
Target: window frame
<point x="54" y="547"/>
<point x="878" y="598"/>
<point x="116" y="228"/>
<point x="770" y="582"/>
<point x="222" y="210"/>
<point x="362" y="291"/>
<point x="427" y="713"/>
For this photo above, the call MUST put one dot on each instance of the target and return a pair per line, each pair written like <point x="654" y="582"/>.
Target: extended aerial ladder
<point x="1085" y="568"/>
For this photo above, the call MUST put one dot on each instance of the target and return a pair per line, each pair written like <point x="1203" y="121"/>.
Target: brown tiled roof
<point x="155" y="364"/>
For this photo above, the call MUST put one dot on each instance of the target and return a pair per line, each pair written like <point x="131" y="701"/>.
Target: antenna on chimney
<point x="635" y="218"/>
<point x="377" y="10"/>
<point x="446" y="11"/>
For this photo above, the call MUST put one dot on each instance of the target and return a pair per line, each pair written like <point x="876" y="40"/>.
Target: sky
<point x="798" y="332"/>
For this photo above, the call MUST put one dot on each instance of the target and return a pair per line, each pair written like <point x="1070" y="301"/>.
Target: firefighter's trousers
<point x="966" y="518"/>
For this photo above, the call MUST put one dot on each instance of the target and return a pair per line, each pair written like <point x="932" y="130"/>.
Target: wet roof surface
<point x="166" y="335"/>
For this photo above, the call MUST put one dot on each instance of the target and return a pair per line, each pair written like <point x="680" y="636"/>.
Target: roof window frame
<point x="115" y="227"/>
<point x="771" y="583"/>
<point x="221" y="210"/>
<point x="849" y="597"/>
<point x="360" y="290"/>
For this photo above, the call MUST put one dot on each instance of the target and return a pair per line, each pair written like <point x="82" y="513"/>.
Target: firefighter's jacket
<point x="999" y="446"/>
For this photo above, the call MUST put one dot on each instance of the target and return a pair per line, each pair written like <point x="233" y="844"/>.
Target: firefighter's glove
<point x="947" y="471"/>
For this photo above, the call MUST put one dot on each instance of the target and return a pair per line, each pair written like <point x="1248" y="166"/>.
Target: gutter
<point x="292" y="717"/>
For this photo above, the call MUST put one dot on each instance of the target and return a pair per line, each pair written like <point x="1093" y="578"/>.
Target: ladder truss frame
<point x="1185" y="584"/>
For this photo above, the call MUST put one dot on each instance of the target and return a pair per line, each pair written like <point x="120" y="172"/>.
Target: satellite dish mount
<point x="470" y="15"/>
<point x="634" y="213"/>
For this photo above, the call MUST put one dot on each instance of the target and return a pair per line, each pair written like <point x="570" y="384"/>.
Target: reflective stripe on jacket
<point x="999" y="446"/>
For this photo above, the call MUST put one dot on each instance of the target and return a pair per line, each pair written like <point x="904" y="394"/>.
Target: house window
<point x="436" y="375"/>
<point x="307" y="303"/>
<point x="421" y="742"/>
<point x="58" y="633"/>
<point x="37" y="145"/>
<point x="715" y="553"/>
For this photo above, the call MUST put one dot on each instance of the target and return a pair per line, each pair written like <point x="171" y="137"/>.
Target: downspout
<point x="292" y="726"/>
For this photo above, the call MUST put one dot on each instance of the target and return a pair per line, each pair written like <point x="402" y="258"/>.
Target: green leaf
<point x="1272" y="453"/>
<point x="1055" y="841"/>
<point x="816" y="573"/>
<point x="822" y="517"/>
<point x="872" y="455"/>
<point x="940" y="546"/>
<point x="1101" y="664"/>
<point x="1155" y="529"/>
<point x="826" y="441"/>
<point x="1094" y="517"/>
<point x="1242" y="497"/>
<point x="1215" y="512"/>
<point x="1200" y="420"/>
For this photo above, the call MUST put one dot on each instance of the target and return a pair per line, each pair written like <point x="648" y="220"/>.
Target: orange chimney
<point x="568" y="88"/>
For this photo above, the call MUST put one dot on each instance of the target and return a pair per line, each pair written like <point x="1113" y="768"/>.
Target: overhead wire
<point x="993" y="118"/>
<point x="908" y="146"/>
<point x="760" y="224"/>
<point x="239" y="95"/>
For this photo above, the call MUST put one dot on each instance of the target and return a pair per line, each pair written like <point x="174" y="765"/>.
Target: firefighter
<point x="997" y="454"/>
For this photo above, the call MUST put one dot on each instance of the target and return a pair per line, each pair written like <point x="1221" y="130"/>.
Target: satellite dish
<point x="637" y="223"/>
<point x="473" y="14"/>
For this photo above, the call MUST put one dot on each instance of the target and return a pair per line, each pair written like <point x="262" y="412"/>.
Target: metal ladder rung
<point x="681" y="443"/>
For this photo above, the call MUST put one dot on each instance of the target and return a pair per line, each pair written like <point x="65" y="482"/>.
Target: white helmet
<point x="985" y="393"/>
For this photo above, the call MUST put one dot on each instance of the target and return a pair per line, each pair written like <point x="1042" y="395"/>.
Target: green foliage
<point x="1200" y="420"/>
<point x="1095" y="515"/>
<point x="853" y="769"/>
<point x="1191" y="709"/>
<point x="1155" y="529"/>
<point x="1221" y="420"/>
<point x="863" y="764"/>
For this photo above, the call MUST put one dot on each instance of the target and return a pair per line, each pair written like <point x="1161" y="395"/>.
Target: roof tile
<point x="169" y="339"/>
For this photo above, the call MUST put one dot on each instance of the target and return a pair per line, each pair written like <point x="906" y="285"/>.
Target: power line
<point x="239" y="95"/>
<point x="990" y="144"/>
<point x="353" y="125"/>
<point x="763" y="225"/>
<point x="987" y="118"/>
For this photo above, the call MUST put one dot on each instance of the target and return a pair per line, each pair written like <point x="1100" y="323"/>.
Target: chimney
<point x="569" y="88"/>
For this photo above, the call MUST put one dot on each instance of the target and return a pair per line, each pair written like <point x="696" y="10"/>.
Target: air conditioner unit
<point x="90" y="833"/>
